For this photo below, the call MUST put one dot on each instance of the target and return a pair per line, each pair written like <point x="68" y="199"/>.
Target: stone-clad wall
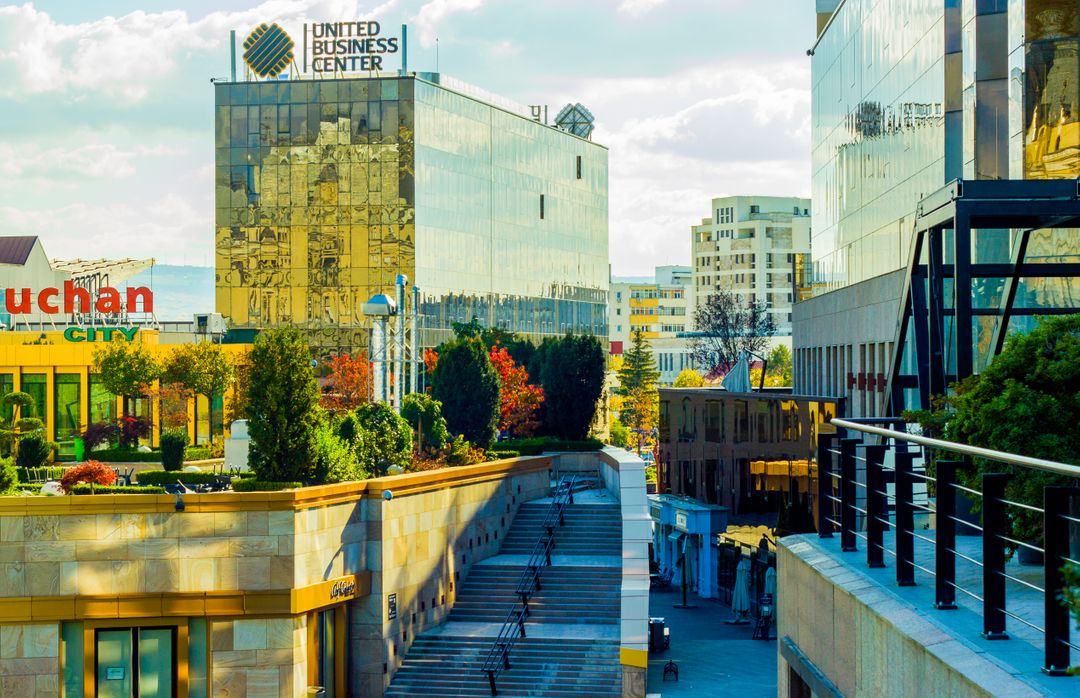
<point x="424" y="543"/>
<point x="30" y="660"/>
<point x="259" y="657"/>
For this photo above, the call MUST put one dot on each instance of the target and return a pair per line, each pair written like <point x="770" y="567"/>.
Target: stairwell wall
<point x="623" y="474"/>
<point x="422" y="540"/>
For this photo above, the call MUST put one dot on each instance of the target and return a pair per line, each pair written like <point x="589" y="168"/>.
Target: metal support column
<point x="963" y="333"/>
<point x="847" y="495"/>
<point x="905" y="519"/>
<point x="876" y="506"/>
<point x="945" y="542"/>
<point x="1056" y="502"/>
<point x="935" y="313"/>
<point x="825" y="510"/>
<point x="994" y="527"/>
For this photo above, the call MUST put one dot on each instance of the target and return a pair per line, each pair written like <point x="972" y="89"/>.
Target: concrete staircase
<point x="571" y="647"/>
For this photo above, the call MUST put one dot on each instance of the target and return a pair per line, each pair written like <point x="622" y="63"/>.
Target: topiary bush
<point x="34" y="451"/>
<point x="114" y="489"/>
<point x="91" y="472"/>
<point x="424" y="415"/>
<point x="173" y="444"/>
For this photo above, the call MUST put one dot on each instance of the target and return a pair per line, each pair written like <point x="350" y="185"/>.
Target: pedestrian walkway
<point x="714" y="659"/>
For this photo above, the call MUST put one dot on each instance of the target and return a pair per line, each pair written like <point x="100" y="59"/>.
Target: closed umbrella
<point x="740" y="598"/>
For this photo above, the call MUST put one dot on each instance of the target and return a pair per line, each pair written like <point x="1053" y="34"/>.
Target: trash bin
<point x="656" y="634"/>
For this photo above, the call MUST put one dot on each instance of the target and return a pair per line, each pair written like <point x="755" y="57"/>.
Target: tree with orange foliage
<point x="349" y="384"/>
<point x="519" y="401"/>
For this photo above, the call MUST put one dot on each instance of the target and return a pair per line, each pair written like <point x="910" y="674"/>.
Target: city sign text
<point x="346" y="46"/>
<point x="72" y="299"/>
<point x="93" y="334"/>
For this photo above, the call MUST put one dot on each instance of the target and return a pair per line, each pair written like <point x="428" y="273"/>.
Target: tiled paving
<point x="714" y="659"/>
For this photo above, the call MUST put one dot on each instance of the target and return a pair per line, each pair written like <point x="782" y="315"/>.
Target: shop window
<point x="35" y="385"/>
<point x="197" y="658"/>
<point x="67" y="389"/>
<point x="102" y="402"/>
<point x="327" y="651"/>
<point x="135" y="662"/>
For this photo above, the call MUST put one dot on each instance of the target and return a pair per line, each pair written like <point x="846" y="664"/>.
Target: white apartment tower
<point x="751" y="246"/>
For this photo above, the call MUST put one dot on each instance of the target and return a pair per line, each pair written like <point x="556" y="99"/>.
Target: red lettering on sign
<point x="9" y="301"/>
<point x="77" y="300"/>
<point x="43" y="300"/>
<point x="71" y="293"/>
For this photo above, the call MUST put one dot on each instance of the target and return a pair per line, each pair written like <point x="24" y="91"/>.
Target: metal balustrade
<point x="513" y="626"/>
<point x="869" y="479"/>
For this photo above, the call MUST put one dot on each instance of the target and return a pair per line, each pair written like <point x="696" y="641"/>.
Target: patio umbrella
<point x="740" y="598"/>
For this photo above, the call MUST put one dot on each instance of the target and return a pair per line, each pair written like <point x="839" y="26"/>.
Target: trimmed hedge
<point x="169" y="477"/>
<point x="53" y="473"/>
<point x="34" y="487"/>
<point x="250" y="485"/>
<point x="115" y="489"/>
<point x="542" y="444"/>
<point x="501" y="454"/>
<point x="125" y="455"/>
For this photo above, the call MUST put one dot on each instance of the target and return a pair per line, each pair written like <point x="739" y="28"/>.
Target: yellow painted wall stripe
<point x="633" y="657"/>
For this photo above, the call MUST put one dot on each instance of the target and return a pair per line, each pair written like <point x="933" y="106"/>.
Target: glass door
<point x="136" y="663"/>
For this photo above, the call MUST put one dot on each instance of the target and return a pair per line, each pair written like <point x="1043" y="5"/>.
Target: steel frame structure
<point x="936" y="257"/>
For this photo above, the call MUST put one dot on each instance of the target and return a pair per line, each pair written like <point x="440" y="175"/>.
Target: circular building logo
<point x="268" y="50"/>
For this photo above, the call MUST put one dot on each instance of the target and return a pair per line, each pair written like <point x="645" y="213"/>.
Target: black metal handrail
<point x="910" y="455"/>
<point x="513" y="626"/>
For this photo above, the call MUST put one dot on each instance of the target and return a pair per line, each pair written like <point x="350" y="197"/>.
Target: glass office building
<point x="328" y="189"/>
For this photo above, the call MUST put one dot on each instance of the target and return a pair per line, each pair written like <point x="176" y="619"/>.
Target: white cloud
<point x="432" y="15"/>
<point x="93" y="160"/>
<point x="676" y="141"/>
<point x="639" y="8"/>
<point x="126" y="57"/>
<point x="167" y="228"/>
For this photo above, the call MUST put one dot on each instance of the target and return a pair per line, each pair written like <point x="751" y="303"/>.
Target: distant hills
<point x="179" y="291"/>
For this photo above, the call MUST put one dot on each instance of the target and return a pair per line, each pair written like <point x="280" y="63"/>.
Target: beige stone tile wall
<point x="424" y="545"/>
<point x="259" y="657"/>
<point x="30" y="660"/>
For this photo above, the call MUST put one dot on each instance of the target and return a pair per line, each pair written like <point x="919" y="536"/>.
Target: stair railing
<point x="513" y="626"/>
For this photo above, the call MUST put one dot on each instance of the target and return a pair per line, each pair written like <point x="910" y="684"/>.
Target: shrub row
<point x="541" y="444"/>
<point x="115" y="489"/>
<point x="169" y="477"/>
<point x="125" y="455"/>
<point x="250" y="485"/>
<point x="501" y="454"/>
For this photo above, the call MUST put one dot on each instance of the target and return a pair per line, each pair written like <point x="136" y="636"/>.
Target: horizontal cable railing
<point x="513" y="626"/>
<point x="873" y="479"/>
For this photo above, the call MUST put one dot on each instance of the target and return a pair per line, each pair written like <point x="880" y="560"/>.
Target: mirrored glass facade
<point x="878" y="134"/>
<point x="328" y="189"/>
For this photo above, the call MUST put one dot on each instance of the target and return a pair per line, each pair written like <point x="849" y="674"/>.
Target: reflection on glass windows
<point x="326" y="190"/>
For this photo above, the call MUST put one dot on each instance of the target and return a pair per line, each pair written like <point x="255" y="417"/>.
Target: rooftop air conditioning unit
<point x="209" y="323"/>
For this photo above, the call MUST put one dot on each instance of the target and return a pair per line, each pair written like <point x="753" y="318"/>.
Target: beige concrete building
<point x="751" y="246"/>
<point x="663" y="309"/>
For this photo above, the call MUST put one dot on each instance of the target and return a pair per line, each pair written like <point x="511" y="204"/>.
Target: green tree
<point x="1027" y="402"/>
<point x="202" y="368"/>
<point x="127" y="369"/>
<point x="466" y="384"/>
<point x="387" y="438"/>
<point x="424" y="415"/>
<point x="637" y="386"/>
<point x="9" y="475"/>
<point x="283" y="407"/>
<point x="572" y="375"/>
<point x="620" y="435"/>
<point x="334" y="459"/>
<point x="779" y="364"/>
<point x="688" y="378"/>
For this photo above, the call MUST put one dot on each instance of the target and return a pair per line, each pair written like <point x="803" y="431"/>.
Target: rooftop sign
<point x="346" y="46"/>
<point x="50" y="301"/>
<point x="268" y="50"/>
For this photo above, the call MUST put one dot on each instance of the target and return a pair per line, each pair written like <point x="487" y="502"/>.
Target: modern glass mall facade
<point x="328" y="189"/>
<point x="909" y="95"/>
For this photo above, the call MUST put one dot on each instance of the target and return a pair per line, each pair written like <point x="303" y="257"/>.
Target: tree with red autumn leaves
<point x="519" y="400"/>
<point x="349" y="384"/>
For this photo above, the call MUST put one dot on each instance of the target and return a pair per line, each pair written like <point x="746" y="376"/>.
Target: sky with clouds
<point x="107" y="143"/>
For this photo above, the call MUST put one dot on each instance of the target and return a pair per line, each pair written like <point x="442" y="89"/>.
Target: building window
<point x="755" y="209"/>
<point x="541" y="207"/>
<point x="579" y="167"/>
<point x="66" y="405"/>
<point x="102" y="402"/>
<point x="35" y="385"/>
<point x="7" y="385"/>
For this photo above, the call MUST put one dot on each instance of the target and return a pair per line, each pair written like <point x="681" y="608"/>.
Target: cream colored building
<point x="662" y="308"/>
<point x="751" y="246"/>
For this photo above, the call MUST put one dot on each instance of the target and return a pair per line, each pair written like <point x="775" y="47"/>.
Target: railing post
<point x="491" y="682"/>
<point x="877" y="511"/>
<point x="825" y="508"/>
<point x="1056" y="533"/>
<point x="945" y="540"/>
<point x="905" y="519"/>
<point x="994" y="525"/>
<point x="847" y="495"/>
